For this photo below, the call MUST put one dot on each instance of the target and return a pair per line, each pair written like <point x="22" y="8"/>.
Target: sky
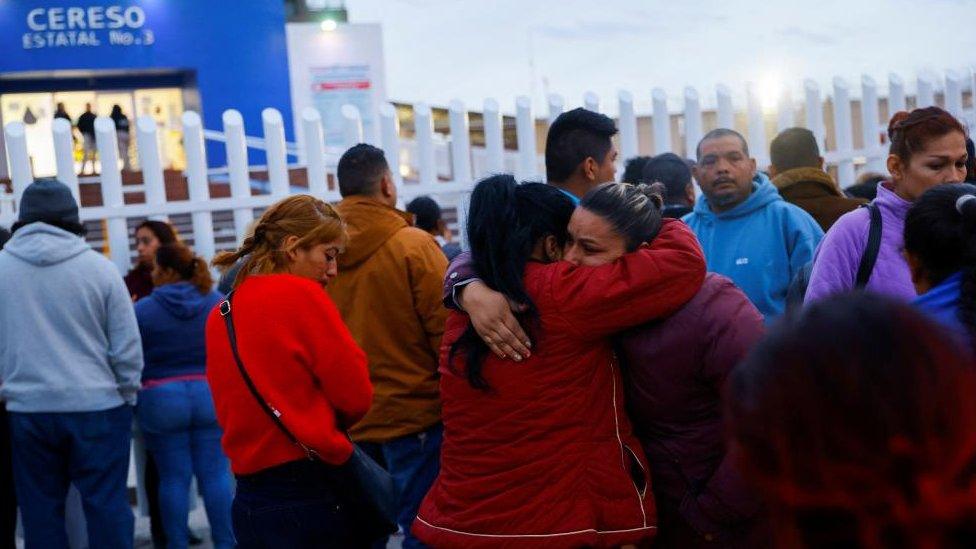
<point x="439" y="50"/>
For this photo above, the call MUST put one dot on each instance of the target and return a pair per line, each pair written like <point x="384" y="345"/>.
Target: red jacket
<point x="546" y="457"/>
<point x="303" y="361"/>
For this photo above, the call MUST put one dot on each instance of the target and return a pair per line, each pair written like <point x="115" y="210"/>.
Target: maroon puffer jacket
<point x="674" y="371"/>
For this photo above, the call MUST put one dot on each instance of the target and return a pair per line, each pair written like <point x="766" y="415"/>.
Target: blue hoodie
<point x="942" y="303"/>
<point x="68" y="337"/>
<point x="172" y="321"/>
<point x="760" y="244"/>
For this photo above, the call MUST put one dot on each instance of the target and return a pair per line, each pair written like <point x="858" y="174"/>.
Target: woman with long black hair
<point x="541" y="454"/>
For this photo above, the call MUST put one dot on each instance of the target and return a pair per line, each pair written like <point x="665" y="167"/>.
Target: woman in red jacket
<point x="541" y="454"/>
<point x="305" y="365"/>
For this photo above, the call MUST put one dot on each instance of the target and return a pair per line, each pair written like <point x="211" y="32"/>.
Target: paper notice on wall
<point x="338" y="85"/>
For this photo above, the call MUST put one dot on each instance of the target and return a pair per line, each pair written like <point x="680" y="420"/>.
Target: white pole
<point x="953" y="94"/>
<point x="238" y="169"/>
<point x="64" y="155"/>
<point x="870" y="124"/>
<point x="275" y="153"/>
<point x="314" y="152"/>
<point x="662" y="122"/>
<point x="460" y="142"/>
<point x="199" y="186"/>
<point x="726" y="113"/>
<point x="627" y="124"/>
<point x="896" y="95"/>
<point x="149" y="159"/>
<point x="693" y="122"/>
<point x="591" y="101"/>
<point x="926" y="91"/>
<point x="424" y="129"/>
<point x="390" y="137"/>
<point x="15" y="136"/>
<point x="525" y="134"/>
<point x="844" y="130"/>
<point x="757" y="127"/>
<point x="814" y="112"/>
<point x="112" y="197"/>
<point x="352" y="126"/>
<point x="784" y="110"/>
<point x="494" y="138"/>
<point x="556" y="105"/>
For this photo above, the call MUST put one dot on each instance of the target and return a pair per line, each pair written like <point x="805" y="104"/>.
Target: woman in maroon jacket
<point x="674" y="371"/>
<point x="542" y="454"/>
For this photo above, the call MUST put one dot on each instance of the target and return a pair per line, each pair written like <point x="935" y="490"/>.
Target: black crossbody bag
<point x="371" y="496"/>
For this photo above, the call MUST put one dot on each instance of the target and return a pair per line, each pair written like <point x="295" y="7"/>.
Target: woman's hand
<point x="492" y="316"/>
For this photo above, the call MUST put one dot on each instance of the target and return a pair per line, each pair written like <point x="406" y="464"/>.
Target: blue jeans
<point x="180" y="425"/>
<point x="87" y="449"/>
<point x="414" y="462"/>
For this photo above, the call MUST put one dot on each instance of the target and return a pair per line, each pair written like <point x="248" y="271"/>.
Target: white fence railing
<point x="431" y="163"/>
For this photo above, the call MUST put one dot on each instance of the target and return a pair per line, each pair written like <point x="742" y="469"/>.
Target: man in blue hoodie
<point x="746" y="229"/>
<point x="70" y="361"/>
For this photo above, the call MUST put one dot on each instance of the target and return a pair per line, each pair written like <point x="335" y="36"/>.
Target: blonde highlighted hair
<point x="312" y="220"/>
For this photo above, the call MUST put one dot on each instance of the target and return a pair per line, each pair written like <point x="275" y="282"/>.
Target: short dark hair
<point x="794" y="148"/>
<point x="719" y="133"/>
<point x="670" y="170"/>
<point x="634" y="169"/>
<point x="360" y="170"/>
<point x="573" y="137"/>
<point x="634" y="211"/>
<point x="4" y="237"/>
<point x="426" y="212"/>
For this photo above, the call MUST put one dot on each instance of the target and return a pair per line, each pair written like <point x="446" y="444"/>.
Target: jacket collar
<point x="812" y="176"/>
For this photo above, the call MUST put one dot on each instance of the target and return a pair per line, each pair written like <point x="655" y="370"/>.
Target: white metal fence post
<point x="275" y="153"/>
<point x="494" y="139"/>
<point x="525" y="133"/>
<point x="314" y="153"/>
<point x="460" y="142"/>
<point x="112" y="197"/>
<point x="896" y="94"/>
<point x="390" y="137"/>
<point x="627" y="124"/>
<point x="556" y="106"/>
<point x="757" y="127"/>
<point x="238" y="170"/>
<point x="64" y="155"/>
<point x="662" y="121"/>
<point x="147" y="141"/>
<point x="784" y="110"/>
<point x="726" y="113"/>
<point x="424" y="130"/>
<point x="352" y="126"/>
<point x="870" y="124"/>
<point x="693" y="122"/>
<point x="591" y="101"/>
<point x="844" y="131"/>
<point x="953" y="94"/>
<point x="15" y="137"/>
<point x="199" y="187"/>
<point x="925" y="97"/>
<point x="814" y="112"/>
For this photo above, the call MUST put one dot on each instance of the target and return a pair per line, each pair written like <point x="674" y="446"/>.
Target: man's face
<point x="725" y="172"/>
<point x="607" y="170"/>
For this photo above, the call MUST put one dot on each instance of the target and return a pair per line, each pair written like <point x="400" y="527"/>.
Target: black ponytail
<point x="505" y="221"/>
<point x="940" y="230"/>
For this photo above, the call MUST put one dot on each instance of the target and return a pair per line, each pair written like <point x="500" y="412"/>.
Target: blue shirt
<point x="573" y="197"/>
<point x="941" y="303"/>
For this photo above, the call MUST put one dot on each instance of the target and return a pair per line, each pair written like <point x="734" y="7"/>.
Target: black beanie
<point x="47" y="200"/>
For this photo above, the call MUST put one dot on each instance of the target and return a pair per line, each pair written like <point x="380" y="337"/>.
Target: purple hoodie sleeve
<point x="837" y="259"/>
<point x="459" y="274"/>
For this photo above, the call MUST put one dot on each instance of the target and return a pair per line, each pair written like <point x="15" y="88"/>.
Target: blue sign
<point x="234" y="51"/>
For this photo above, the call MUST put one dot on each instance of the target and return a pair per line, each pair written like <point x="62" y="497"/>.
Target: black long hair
<point x="505" y="221"/>
<point x="634" y="211"/>
<point x="940" y="230"/>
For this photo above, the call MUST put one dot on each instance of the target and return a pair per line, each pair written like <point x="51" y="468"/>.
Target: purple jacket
<point x="675" y="371"/>
<point x="839" y="255"/>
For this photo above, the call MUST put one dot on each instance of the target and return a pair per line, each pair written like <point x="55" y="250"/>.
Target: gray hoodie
<point x="69" y="341"/>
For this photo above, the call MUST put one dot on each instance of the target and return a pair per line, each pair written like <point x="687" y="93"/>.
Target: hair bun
<point x="966" y="206"/>
<point x="654" y="191"/>
<point x="896" y="119"/>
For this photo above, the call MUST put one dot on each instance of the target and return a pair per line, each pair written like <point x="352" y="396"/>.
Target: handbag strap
<point x="870" y="256"/>
<point x="271" y="411"/>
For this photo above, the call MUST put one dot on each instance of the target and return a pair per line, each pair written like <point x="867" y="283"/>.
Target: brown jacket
<point x="815" y="191"/>
<point x="389" y="294"/>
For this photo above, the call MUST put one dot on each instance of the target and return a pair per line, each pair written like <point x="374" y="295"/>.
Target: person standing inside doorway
<point x="122" y="132"/>
<point x="86" y="127"/>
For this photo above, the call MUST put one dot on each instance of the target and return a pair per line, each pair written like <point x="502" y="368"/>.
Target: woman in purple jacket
<point x="928" y="148"/>
<point x="675" y="370"/>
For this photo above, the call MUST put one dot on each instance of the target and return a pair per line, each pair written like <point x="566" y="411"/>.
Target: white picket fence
<point x="445" y="168"/>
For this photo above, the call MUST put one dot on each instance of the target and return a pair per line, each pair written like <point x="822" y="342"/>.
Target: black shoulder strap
<point x="270" y="410"/>
<point x="870" y="255"/>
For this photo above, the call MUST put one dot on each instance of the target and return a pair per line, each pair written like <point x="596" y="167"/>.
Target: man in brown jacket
<point x="389" y="294"/>
<point x="797" y="172"/>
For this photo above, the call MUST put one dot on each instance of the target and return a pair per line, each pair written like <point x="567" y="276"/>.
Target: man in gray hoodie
<point x="70" y="365"/>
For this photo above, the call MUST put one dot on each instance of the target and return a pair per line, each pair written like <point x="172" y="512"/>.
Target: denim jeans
<point x="414" y="462"/>
<point x="296" y="505"/>
<point x="87" y="449"/>
<point x="179" y="423"/>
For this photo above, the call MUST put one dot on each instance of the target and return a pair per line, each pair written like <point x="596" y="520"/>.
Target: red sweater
<point x="303" y="361"/>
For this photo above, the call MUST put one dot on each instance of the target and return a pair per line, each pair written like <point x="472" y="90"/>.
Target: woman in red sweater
<point x="305" y="365"/>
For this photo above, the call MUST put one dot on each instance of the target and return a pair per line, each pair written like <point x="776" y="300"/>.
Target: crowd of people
<point x="85" y="125"/>
<point x="771" y="362"/>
